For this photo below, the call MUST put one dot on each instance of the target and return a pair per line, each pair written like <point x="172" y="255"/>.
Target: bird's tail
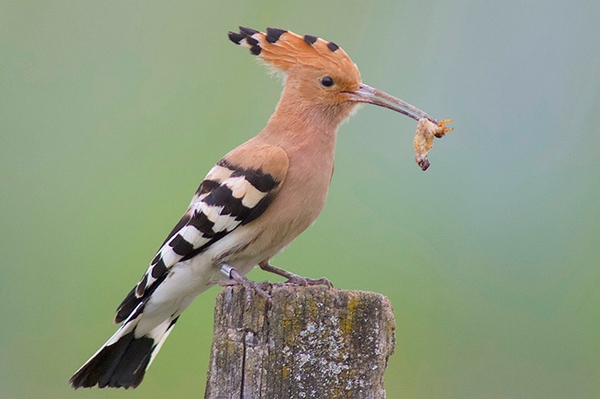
<point x="122" y="361"/>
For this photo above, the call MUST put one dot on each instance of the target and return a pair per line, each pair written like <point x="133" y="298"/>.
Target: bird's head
<point x="318" y="74"/>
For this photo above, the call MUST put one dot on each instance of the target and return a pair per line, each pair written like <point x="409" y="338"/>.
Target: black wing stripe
<point x="141" y="286"/>
<point x="204" y="247"/>
<point x="159" y="268"/>
<point x="203" y="224"/>
<point x="207" y="186"/>
<point x="180" y="246"/>
<point x="258" y="210"/>
<point x="223" y="196"/>
<point x="262" y="181"/>
<point x="156" y="259"/>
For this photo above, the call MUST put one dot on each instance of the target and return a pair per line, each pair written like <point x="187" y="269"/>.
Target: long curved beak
<point x="370" y="95"/>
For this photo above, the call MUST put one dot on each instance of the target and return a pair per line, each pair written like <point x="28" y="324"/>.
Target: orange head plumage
<point x="319" y="74"/>
<point x="285" y="50"/>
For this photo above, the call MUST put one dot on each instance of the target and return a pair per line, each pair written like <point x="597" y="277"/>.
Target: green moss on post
<point x="312" y="343"/>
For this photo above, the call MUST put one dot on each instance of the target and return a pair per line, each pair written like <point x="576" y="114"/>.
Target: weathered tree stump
<point x="313" y="342"/>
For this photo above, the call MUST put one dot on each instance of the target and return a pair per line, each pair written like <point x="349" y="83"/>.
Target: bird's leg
<point x="235" y="278"/>
<point x="294" y="278"/>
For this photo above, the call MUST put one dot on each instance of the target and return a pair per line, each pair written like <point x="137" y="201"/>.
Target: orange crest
<point x="283" y="49"/>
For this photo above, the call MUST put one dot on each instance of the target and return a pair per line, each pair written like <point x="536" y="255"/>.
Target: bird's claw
<point x="306" y="282"/>
<point x="294" y="279"/>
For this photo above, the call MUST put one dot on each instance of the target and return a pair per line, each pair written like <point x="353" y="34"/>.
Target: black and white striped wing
<point x="231" y="195"/>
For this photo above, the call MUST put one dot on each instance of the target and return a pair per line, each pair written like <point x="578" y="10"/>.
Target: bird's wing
<point x="236" y="191"/>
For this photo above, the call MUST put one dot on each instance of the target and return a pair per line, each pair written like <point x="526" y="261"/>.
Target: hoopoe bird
<point x="252" y="204"/>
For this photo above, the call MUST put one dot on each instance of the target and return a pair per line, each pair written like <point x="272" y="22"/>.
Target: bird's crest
<point x="283" y="49"/>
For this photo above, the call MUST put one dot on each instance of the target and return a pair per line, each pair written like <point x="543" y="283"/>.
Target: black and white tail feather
<point x="231" y="196"/>
<point x="123" y="359"/>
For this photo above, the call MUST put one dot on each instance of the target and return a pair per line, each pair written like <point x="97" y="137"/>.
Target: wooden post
<point x="313" y="342"/>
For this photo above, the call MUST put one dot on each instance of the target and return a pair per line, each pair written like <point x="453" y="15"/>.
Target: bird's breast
<point x="299" y="201"/>
<point x="303" y="192"/>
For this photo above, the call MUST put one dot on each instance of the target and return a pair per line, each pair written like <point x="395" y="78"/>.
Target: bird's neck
<point x="297" y="120"/>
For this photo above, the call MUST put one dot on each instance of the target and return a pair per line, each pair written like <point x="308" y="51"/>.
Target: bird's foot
<point x="294" y="279"/>
<point x="305" y="281"/>
<point x="235" y="278"/>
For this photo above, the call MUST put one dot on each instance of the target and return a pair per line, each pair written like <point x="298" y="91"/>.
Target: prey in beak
<point x="427" y="128"/>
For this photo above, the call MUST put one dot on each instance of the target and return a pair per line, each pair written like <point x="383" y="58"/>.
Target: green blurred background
<point x="112" y="112"/>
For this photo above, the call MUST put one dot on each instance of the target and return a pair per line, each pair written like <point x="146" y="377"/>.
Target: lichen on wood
<point x="312" y="342"/>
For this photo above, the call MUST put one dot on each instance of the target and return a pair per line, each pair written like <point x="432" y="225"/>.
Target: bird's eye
<point x="327" y="81"/>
